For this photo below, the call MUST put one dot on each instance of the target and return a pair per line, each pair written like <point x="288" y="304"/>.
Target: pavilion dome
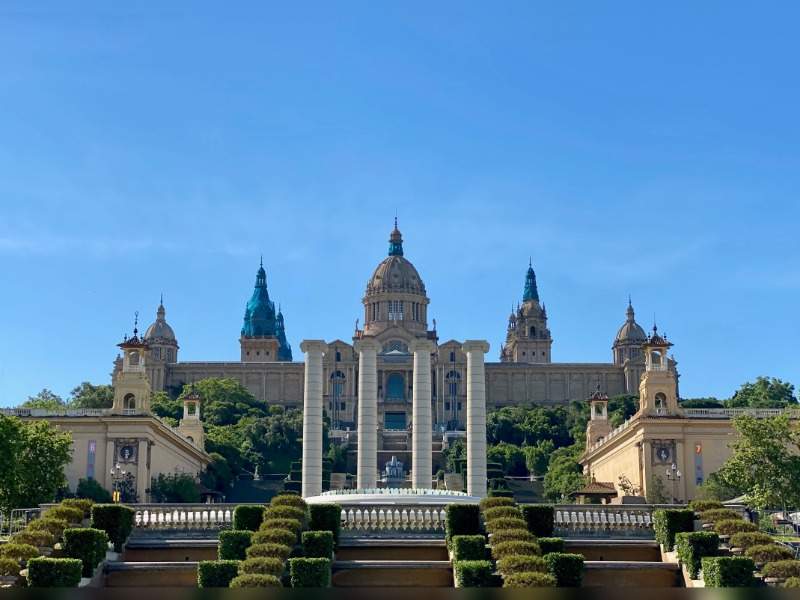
<point x="395" y="273"/>
<point x="631" y="331"/>
<point x="160" y="329"/>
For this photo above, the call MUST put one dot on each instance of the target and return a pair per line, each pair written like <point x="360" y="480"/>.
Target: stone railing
<point x="183" y="517"/>
<point x="46" y="412"/>
<point x="395" y="519"/>
<point x="606" y="520"/>
<point x="732" y="413"/>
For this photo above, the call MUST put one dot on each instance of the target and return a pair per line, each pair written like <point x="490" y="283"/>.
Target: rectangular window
<point x="90" y="458"/>
<point x="344" y="406"/>
<point x="447" y="406"/>
<point x="395" y="310"/>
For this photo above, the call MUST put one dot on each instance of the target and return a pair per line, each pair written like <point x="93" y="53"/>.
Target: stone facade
<point x="395" y="306"/>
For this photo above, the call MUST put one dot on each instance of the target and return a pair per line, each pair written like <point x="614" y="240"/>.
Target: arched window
<point x="133" y="358"/>
<point x="395" y="387"/>
<point x="452" y="379"/>
<point x="655" y="359"/>
<point x="129" y="402"/>
<point x="533" y="332"/>
<point x="661" y="401"/>
<point x="337" y="384"/>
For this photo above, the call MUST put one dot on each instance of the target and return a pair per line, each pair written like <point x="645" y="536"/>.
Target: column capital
<point x="313" y="346"/>
<point x="475" y="346"/>
<point x="422" y="345"/>
<point x="367" y="344"/>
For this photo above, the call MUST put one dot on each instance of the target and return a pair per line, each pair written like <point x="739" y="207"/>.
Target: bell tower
<point x="131" y="384"/>
<point x="598" y="426"/>
<point x="190" y="426"/>
<point x="528" y="339"/>
<point x="658" y="389"/>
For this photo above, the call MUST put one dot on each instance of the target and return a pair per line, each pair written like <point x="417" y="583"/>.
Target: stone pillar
<point x="476" y="417"/>
<point x="367" y="474"/>
<point x="312" y="417"/>
<point x="142" y="472"/>
<point x="421" y="434"/>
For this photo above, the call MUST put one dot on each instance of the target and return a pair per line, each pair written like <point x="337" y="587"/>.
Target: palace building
<point x="396" y="314"/>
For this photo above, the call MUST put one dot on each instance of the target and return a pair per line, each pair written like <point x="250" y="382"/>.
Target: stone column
<point x="312" y="417"/>
<point x="421" y="434"/>
<point x="367" y="474"/>
<point x="142" y="472"/>
<point x="476" y="417"/>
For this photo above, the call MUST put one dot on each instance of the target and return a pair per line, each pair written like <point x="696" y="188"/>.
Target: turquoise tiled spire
<point x="531" y="291"/>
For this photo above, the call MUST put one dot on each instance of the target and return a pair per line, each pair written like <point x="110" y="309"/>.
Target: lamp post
<point x="117" y="475"/>
<point x="674" y="475"/>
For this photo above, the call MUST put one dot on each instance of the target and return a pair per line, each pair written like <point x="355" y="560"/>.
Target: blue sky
<point x="628" y="148"/>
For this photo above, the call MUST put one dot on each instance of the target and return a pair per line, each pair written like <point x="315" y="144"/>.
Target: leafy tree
<point x="537" y="457"/>
<point x="337" y="454"/>
<point x="165" y="407"/>
<point x="33" y="456"/>
<point x="87" y="395"/>
<point x="764" y="393"/>
<point x="218" y="475"/>
<point x="89" y="488"/>
<point x="46" y="400"/>
<point x="621" y="408"/>
<point x="455" y="451"/>
<point x="564" y="474"/>
<point x="224" y="401"/>
<point x="272" y="442"/>
<point x="175" y="487"/>
<point x="765" y="462"/>
<point x="657" y="491"/>
<point x="715" y="489"/>
<point x="510" y="456"/>
<point x="702" y="403"/>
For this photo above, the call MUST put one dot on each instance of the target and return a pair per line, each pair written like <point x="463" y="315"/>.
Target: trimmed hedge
<point x="728" y="571"/>
<point x="71" y="514"/>
<point x="692" y="547"/>
<point x="34" y="538"/>
<point x="551" y="544"/>
<point x="749" y="538"/>
<point x="512" y="535"/>
<point x="515" y="548"/>
<point x="85" y="504"/>
<point x="275" y="536"/>
<point x="540" y="519"/>
<point x="49" y="524"/>
<point x="310" y="572"/>
<point x="292" y="525"/>
<point x="566" y="568"/>
<point x="493" y="502"/>
<point x="699" y="506"/>
<point x="19" y="552"/>
<point x="505" y="523"/>
<point x="731" y="526"/>
<point x="46" y="572"/>
<point x="317" y="544"/>
<point x="474" y="573"/>
<point x="216" y="573"/>
<point x="517" y="563"/>
<point x="463" y="519"/>
<point x="285" y="512"/>
<point x="768" y="553"/>
<point x="499" y="512"/>
<point x="792" y="582"/>
<point x="501" y="494"/>
<point x="248" y="517"/>
<point x="280" y="551"/>
<point x="89" y="545"/>
<point x="668" y="522"/>
<point x="529" y="580"/>
<point x="326" y="517"/>
<point x="9" y="567"/>
<point x="469" y="547"/>
<point x="262" y="565"/>
<point x="255" y="581"/>
<point x="782" y="569"/>
<point x="116" y="520"/>
<point x="233" y="544"/>
<point x="719" y="514"/>
<point x="284" y="499"/>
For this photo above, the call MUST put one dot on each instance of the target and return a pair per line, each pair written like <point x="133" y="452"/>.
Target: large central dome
<point x="395" y="273"/>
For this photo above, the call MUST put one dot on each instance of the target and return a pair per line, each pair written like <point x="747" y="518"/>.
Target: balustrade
<point x="393" y="519"/>
<point x="194" y="517"/>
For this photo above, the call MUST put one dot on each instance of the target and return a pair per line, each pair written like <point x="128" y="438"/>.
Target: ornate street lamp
<point x="674" y="475"/>
<point x="117" y="476"/>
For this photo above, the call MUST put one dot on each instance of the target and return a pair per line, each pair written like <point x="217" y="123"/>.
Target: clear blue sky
<point x="627" y="147"/>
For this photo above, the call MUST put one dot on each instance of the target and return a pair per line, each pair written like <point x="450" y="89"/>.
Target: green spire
<point x="395" y="241"/>
<point x="531" y="291"/>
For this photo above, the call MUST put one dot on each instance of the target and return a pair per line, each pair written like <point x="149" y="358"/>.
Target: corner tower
<point x="260" y="339"/>
<point x="528" y="339"/>
<point x="628" y="350"/>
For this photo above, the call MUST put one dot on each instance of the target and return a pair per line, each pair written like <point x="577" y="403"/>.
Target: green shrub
<point x="285" y="512"/>
<point x="216" y="573"/>
<point x="310" y="572"/>
<point x="34" y="538"/>
<point x="782" y="569"/>
<point x="504" y="523"/>
<point x="668" y="522"/>
<point x="512" y="535"/>
<point x="692" y="547"/>
<point x="515" y="548"/>
<point x="463" y="519"/>
<point x="474" y="573"/>
<point x="728" y="571"/>
<point x="54" y="572"/>
<point x="248" y="517"/>
<point x="54" y="526"/>
<point x="19" y="552"/>
<point x="517" y="563"/>
<point x="792" y="582"/>
<point x="9" y="567"/>
<point x="292" y="525"/>
<point x="275" y="536"/>
<point x="116" y="520"/>
<point x="88" y="545"/>
<point x="731" y="526"/>
<point x="317" y="544"/>
<point x="493" y="502"/>
<point x="540" y="519"/>
<point x="70" y="514"/>
<point x="768" y="553"/>
<point x="469" y="547"/>
<point x="85" y="504"/>
<point x="233" y="544"/>
<point x="284" y="499"/>
<point x="326" y="517"/>
<point x="566" y="568"/>
<point x="700" y="506"/>
<point x="499" y="512"/>
<point x="501" y="493"/>
<point x="719" y="514"/>
<point x="92" y="490"/>
<point x="272" y="550"/>
<point x="262" y="565"/>
<point x="255" y="581"/>
<point x="550" y="544"/>
<point x="529" y="580"/>
<point x="749" y="538"/>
